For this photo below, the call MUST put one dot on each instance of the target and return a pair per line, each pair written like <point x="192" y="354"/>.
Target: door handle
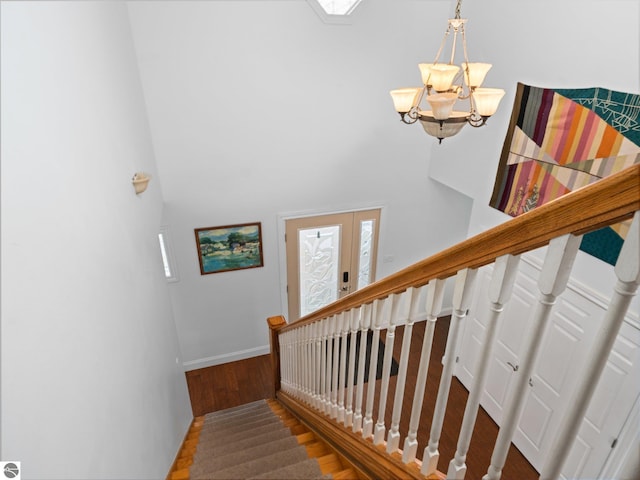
<point x="515" y="367"/>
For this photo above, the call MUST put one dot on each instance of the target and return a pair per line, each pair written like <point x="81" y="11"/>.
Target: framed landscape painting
<point x="230" y="247"/>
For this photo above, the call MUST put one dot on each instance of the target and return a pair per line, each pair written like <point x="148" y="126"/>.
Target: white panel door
<point x="572" y="327"/>
<point x="612" y="402"/>
<point x="509" y="339"/>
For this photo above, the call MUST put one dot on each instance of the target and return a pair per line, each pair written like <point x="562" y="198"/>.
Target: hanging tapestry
<point x="562" y="139"/>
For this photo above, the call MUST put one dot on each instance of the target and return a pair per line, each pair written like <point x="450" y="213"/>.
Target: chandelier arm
<point x="411" y="116"/>
<point x="420" y="97"/>
<point x="475" y="119"/>
<point x="464" y="44"/>
<point x="464" y="96"/>
<point x="442" y="44"/>
<point x="453" y="47"/>
<point x="465" y="69"/>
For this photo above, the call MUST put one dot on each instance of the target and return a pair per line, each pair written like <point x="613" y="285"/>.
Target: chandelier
<point x="444" y="84"/>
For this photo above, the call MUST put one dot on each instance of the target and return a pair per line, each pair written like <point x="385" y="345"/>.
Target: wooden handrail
<point x="606" y="202"/>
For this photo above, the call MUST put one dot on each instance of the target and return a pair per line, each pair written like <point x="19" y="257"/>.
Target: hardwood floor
<point x="236" y="383"/>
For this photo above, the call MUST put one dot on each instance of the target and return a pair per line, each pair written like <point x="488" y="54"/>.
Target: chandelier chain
<point x="458" y="5"/>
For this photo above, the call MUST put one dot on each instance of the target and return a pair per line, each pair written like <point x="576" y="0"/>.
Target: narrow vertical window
<point x="165" y="259"/>
<point x="366" y="258"/>
<point x="170" y="272"/>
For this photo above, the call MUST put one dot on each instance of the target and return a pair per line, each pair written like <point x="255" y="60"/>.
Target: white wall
<point x="91" y="386"/>
<point x="257" y="109"/>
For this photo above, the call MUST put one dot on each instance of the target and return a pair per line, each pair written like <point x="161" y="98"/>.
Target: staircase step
<point x="242" y="423"/>
<point x="240" y="409"/>
<point x="329" y="463"/>
<point x="221" y="462"/>
<point x="217" y="438"/>
<point x="208" y="449"/>
<point x="265" y="464"/>
<point x="238" y="424"/>
<point x="236" y="415"/>
<point x="307" y="469"/>
<point x="348" y="474"/>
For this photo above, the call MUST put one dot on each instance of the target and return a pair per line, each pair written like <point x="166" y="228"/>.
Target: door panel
<point x="320" y="266"/>
<point x="613" y="400"/>
<point x="571" y="329"/>
<point x="509" y="340"/>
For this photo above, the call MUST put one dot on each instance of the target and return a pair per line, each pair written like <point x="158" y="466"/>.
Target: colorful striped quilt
<point x="562" y="139"/>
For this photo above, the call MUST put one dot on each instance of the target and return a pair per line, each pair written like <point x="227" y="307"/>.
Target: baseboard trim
<point x="225" y="358"/>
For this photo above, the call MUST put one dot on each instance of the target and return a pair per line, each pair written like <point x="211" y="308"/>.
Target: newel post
<point x="275" y="324"/>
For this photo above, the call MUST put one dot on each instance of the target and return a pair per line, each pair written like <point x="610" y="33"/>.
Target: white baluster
<point x="287" y="361"/>
<point x="336" y="365"/>
<point x="284" y="361"/>
<point x="435" y="293"/>
<point x="289" y="335"/>
<point x="552" y="282"/>
<point x="310" y="373"/>
<point x="317" y="365"/>
<point x="305" y="367"/>
<point x="365" y="323"/>
<point x="323" y="362"/>
<point x="463" y="291"/>
<point x="311" y="363"/>
<point x="331" y="325"/>
<point x="378" y="319"/>
<point x="355" y="323"/>
<point x="346" y="322"/>
<point x="379" y="430"/>
<point x="627" y="271"/>
<point x="310" y="342"/>
<point x="393" y="437"/>
<point x="296" y="363"/>
<point x="500" y="287"/>
<point x="300" y="363"/>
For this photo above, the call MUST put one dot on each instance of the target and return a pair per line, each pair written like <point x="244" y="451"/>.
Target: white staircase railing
<point x="322" y="357"/>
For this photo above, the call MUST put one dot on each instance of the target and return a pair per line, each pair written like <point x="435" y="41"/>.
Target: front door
<point x="329" y="256"/>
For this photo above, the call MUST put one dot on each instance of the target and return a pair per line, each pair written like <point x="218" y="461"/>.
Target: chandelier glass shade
<point x="445" y="85"/>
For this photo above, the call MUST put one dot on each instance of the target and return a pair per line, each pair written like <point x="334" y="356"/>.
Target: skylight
<point x="338" y="7"/>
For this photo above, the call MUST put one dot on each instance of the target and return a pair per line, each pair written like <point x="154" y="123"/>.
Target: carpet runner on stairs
<point x="250" y="442"/>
